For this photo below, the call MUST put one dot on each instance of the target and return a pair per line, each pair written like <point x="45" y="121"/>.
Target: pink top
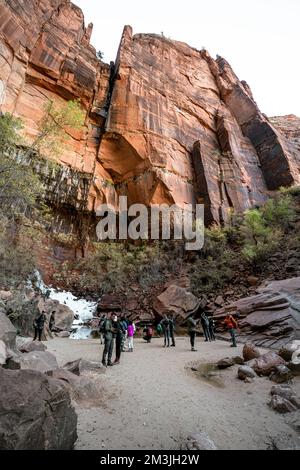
<point x="130" y="331"/>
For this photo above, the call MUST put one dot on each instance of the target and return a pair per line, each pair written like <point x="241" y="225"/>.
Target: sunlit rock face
<point x="165" y="124"/>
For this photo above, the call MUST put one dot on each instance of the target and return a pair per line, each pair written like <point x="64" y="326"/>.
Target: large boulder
<point x="177" y="301"/>
<point x="198" y="441"/>
<point x="250" y="352"/>
<point x="63" y="316"/>
<point x="266" y="364"/>
<point x="35" y="412"/>
<point x="85" y="390"/>
<point x="80" y="366"/>
<point x="31" y="346"/>
<point x="8" y="332"/>
<point x="41" y="361"/>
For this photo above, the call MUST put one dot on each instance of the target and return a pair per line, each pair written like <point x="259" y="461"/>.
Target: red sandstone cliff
<point x="167" y="124"/>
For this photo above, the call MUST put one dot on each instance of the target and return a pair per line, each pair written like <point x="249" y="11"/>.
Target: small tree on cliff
<point x="19" y="186"/>
<point x="56" y="127"/>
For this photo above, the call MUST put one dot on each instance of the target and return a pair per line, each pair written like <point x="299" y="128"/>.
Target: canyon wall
<point x="165" y="124"/>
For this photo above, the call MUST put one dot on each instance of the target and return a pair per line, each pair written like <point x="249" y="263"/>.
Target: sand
<point x="157" y="401"/>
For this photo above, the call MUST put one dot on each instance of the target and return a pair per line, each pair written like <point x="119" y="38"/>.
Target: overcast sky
<point x="259" y="38"/>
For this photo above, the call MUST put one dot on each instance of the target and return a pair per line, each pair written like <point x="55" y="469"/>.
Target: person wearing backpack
<point x="148" y="331"/>
<point x="232" y="326"/>
<point x="101" y="328"/>
<point x="165" y="323"/>
<point x="119" y="334"/>
<point x="212" y="328"/>
<point x="192" y="331"/>
<point x="108" y="333"/>
<point x="205" y="327"/>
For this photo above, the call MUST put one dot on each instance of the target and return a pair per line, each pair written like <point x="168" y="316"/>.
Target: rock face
<point x="35" y="413"/>
<point x="165" y="124"/>
<point x="8" y="332"/>
<point x="270" y="318"/>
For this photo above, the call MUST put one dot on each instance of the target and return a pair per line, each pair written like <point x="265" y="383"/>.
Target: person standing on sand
<point x="130" y="335"/>
<point x="119" y="335"/>
<point x="212" y="328"/>
<point x="101" y="326"/>
<point x="165" y="323"/>
<point x="232" y="326"/>
<point x="192" y="331"/>
<point x="108" y="334"/>
<point x="205" y="327"/>
<point x="38" y="325"/>
<point x="172" y="330"/>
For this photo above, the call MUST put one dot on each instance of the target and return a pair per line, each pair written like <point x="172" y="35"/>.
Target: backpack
<point x="102" y="326"/>
<point x="149" y="331"/>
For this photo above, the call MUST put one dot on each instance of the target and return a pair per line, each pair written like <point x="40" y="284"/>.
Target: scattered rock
<point x="219" y="302"/>
<point x="31" y="346"/>
<point x="281" y="405"/>
<point x="81" y="366"/>
<point x="3" y="353"/>
<point x="226" y="363"/>
<point x="286" y="392"/>
<point x="239" y="360"/>
<point x="41" y="361"/>
<point x="250" y="352"/>
<point x="294" y="368"/>
<point x="5" y="295"/>
<point x="198" y="441"/>
<point x="267" y="363"/>
<point x="253" y="281"/>
<point x="246" y="372"/>
<point x="8" y="332"/>
<point x="35" y="412"/>
<point x="63" y="334"/>
<point x="286" y="443"/>
<point x="286" y="352"/>
<point x="281" y="375"/>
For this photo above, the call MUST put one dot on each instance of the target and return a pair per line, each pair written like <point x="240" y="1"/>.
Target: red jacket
<point x="231" y="323"/>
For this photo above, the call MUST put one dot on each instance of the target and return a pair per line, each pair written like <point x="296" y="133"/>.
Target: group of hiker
<point x="118" y="333"/>
<point x="115" y="332"/>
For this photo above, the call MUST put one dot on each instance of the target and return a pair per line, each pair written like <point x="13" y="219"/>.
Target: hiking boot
<point x="104" y="364"/>
<point x="173" y="345"/>
<point x="194" y="350"/>
<point x="233" y="346"/>
<point x="110" y="364"/>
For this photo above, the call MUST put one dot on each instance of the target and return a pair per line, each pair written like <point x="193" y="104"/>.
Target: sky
<point x="259" y="38"/>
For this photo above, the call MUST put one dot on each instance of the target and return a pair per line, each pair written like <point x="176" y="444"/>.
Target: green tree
<point x="56" y="126"/>
<point x="19" y="186"/>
